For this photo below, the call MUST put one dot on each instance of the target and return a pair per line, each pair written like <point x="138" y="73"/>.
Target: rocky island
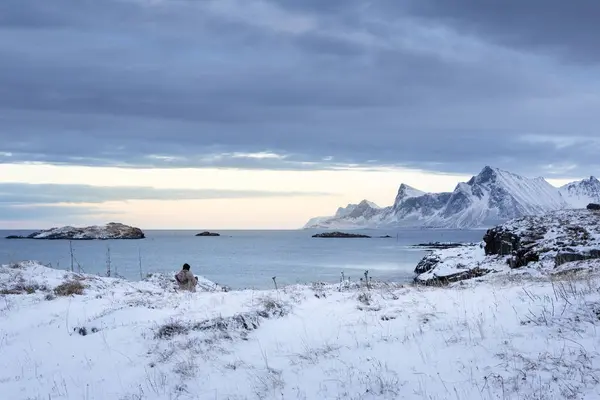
<point x="112" y="230"/>
<point x="206" y="233"/>
<point x="544" y="243"/>
<point x="339" y="235"/>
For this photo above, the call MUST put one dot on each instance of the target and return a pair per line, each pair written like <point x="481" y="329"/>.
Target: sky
<point x="263" y="113"/>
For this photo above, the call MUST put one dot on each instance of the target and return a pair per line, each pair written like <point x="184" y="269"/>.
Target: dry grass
<point x="69" y="288"/>
<point x="22" y="288"/>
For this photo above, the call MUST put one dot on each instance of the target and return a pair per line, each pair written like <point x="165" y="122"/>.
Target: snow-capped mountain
<point x="581" y="193"/>
<point x="353" y="215"/>
<point x="489" y="198"/>
<point x="406" y="192"/>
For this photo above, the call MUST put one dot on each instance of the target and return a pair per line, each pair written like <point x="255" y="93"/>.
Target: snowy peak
<point x="364" y="209"/>
<point x="368" y="203"/>
<point x="406" y="192"/>
<point x="495" y="195"/>
<point x="351" y="208"/>
<point x="487" y="174"/>
<point x="580" y="193"/>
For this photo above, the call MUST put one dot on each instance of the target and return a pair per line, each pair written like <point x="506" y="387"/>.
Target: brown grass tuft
<point x="69" y="288"/>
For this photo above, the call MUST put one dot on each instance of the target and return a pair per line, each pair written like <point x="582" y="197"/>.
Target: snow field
<point x="523" y="335"/>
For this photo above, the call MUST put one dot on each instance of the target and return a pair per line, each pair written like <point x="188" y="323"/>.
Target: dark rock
<point x="439" y="245"/>
<point x="339" y="235"/>
<point x="206" y="233"/>
<point x="593" y="207"/>
<point x="523" y="256"/>
<point x="447" y="279"/>
<point x="16" y="237"/>
<point x="565" y="257"/>
<point x="499" y="241"/>
<point x="385" y="237"/>
<point x="427" y="263"/>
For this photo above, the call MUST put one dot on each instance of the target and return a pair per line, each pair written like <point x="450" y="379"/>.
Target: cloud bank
<point x="436" y="85"/>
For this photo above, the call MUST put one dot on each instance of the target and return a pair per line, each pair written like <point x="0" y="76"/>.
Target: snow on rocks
<point x="112" y="230"/>
<point x="542" y="242"/>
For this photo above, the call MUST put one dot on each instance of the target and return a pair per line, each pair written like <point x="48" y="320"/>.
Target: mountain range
<point x="487" y="199"/>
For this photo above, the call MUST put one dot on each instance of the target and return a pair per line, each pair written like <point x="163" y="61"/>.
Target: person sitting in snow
<point x="185" y="279"/>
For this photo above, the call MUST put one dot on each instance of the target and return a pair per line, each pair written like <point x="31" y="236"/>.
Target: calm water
<point x="242" y="259"/>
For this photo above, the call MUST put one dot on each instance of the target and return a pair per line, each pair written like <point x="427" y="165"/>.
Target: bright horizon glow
<point x="338" y="188"/>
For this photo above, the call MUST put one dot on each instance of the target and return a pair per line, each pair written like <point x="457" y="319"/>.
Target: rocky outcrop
<point x="456" y="277"/>
<point x="593" y="207"/>
<point x="499" y="241"/>
<point x="546" y="242"/>
<point x="339" y="235"/>
<point x="565" y="236"/>
<point x="206" y="233"/>
<point x="427" y="263"/>
<point x="567" y="256"/>
<point x="112" y="230"/>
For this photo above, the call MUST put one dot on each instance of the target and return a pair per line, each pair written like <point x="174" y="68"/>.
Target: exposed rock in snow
<point x="487" y="199"/>
<point x="580" y="193"/>
<point x="112" y="230"/>
<point x="540" y="242"/>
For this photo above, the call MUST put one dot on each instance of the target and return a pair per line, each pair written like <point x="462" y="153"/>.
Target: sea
<point x="241" y="259"/>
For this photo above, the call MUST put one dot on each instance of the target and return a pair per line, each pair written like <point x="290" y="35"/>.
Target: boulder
<point x="427" y="263"/>
<point x="593" y="207"/>
<point x="499" y="241"/>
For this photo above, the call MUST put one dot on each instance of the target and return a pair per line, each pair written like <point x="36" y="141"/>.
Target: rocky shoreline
<point x="537" y="242"/>
<point x="112" y="230"/>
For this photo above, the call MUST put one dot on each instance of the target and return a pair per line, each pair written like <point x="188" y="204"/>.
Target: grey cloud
<point x="569" y="29"/>
<point x="118" y="82"/>
<point x="53" y="213"/>
<point x="13" y="194"/>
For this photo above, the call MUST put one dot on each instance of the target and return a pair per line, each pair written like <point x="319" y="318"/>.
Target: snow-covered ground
<point x="519" y="334"/>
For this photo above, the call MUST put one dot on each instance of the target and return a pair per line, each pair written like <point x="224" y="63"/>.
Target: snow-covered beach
<point x="520" y="334"/>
